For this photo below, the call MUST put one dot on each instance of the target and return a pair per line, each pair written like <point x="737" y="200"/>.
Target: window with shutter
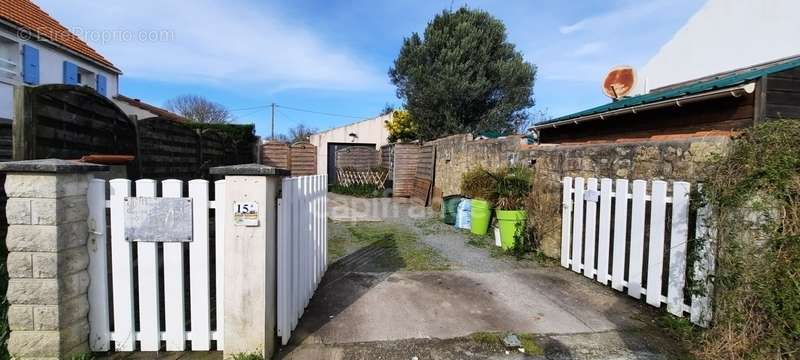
<point x="70" y="73"/>
<point x="101" y="85"/>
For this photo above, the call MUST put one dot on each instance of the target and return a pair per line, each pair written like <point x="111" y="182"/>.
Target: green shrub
<point x="479" y="183"/>
<point x="512" y="186"/>
<point x="754" y="192"/>
<point x="365" y="191"/>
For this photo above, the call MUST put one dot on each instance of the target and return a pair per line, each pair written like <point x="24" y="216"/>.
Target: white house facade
<point x="29" y="56"/>
<point x="371" y="132"/>
<point x="724" y="35"/>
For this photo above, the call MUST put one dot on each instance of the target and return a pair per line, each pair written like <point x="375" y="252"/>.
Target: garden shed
<point x="716" y="104"/>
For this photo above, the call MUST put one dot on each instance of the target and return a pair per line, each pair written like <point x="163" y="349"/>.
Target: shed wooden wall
<point x="405" y="169"/>
<point x="724" y="114"/>
<point x="782" y="100"/>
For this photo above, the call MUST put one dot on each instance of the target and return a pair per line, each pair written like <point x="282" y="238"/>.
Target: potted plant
<point x="479" y="185"/>
<point x="512" y="187"/>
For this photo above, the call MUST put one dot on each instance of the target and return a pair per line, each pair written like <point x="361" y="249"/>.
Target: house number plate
<point x="151" y="219"/>
<point x="245" y="213"/>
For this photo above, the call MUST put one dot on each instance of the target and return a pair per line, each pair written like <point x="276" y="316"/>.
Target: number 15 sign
<point x="245" y="213"/>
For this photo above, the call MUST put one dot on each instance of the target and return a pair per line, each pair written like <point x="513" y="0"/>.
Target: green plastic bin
<point x="450" y="208"/>
<point x="479" y="216"/>
<point x="508" y="221"/>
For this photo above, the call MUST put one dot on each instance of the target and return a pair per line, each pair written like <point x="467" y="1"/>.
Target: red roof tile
<point x="27" y="15"/>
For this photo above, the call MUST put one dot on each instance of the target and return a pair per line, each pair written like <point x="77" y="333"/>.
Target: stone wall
<point x="679" y="158"/>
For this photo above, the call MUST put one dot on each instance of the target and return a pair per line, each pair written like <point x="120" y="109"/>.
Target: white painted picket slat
<point x="566" y="221"/>
<point x="636" y="261"/>
<point x="679" y="236"/>
<point x="121" y="269"/>
<point x="577" y="226"/>
<point x="629" y="241"/>
<point x="604" y="231"/>
<point x="301" y="247"/>
<point x="99" y="324"/>
<point x="199" y="268"/>
<point x="655" y="263"/>
<point x="150" y="333"/>
<point x="220" y="212"/>
<point x="175" y="334"/>
<point x="591" y="230"/>
<point x="620" y="234"/>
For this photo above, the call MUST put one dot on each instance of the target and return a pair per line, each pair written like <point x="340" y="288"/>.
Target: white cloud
<point x="213" y="42"/>
<point x="590" y="48"/>
<point x="618" y="18"/>
<point x="569" y="29"/>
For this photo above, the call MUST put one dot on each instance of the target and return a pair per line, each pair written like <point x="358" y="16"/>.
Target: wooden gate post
<point x="47" y="213"/>
<point x="249" y="317"/>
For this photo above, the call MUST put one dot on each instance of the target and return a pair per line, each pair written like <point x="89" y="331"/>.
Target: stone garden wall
<point x="678" y="158"/>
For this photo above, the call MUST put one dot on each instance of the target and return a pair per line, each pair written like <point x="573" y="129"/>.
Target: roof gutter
<point x="735" y="91"/>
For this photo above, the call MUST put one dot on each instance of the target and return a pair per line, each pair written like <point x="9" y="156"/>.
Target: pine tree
<point x="463" y="76"/>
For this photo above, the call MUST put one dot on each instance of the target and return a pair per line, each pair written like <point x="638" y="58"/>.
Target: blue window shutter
<point x="101" y="85"/>
<point x="30" y="65"/>
<point x="70" y="73"/>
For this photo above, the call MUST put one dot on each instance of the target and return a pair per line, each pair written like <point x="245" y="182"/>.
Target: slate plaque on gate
<point x="151" y="219"/>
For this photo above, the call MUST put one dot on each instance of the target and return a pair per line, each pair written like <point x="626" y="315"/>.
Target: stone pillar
<point x="47" y="260"/>
<point x="250" y="264"/>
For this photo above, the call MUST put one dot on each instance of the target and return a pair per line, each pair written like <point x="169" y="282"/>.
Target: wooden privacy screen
<point x="299" y="158"/>
<point x="423" y="178"/>
<point x="275" y="154"/>
<point x="68" y="122"/>
<point x="404" y="169"/>
<point x="168" y="149"/>
<point x="357" y="157"/>
<point x="303" y="159"/>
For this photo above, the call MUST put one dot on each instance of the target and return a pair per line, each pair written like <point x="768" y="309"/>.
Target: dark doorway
<point x="332" y="149"/>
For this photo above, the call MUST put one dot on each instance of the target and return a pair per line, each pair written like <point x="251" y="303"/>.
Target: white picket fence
<point x="146" y="261"/>
<point x="302" y="247"/>
<point x="588" y="245"/>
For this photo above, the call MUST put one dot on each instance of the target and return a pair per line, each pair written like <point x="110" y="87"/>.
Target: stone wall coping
<point x="51" y="166"/>
<point x="249" y="170"/>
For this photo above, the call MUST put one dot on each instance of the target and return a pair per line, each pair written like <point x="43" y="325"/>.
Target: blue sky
<point x="333" y="56"/>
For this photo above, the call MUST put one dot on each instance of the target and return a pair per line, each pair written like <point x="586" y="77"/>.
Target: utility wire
<point x="322" y="112"/>
<point x="301" y="110"/>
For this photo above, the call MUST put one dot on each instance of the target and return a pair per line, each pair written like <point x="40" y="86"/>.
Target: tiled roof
<point x="29" y="17"/>
<point x="153" y="109"/>
<point x="697" y="86"/>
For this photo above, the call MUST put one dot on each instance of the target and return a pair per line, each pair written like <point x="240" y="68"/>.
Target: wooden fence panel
<point x="275" y="154"/>
<point x="303" y="159"/>
<point x="405" y="169"/>
<point x="423" y="177"/>
<point x="357" y="157"/>
<point x="168" y="150"/>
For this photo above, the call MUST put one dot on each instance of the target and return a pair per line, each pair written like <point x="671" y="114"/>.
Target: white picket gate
<point x="588" y="245"/>
<point x="144" y="259"/>
<point x="302" y="247"/>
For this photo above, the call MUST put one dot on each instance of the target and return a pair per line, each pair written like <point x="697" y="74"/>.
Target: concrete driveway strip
<point x="444" y="305"/>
